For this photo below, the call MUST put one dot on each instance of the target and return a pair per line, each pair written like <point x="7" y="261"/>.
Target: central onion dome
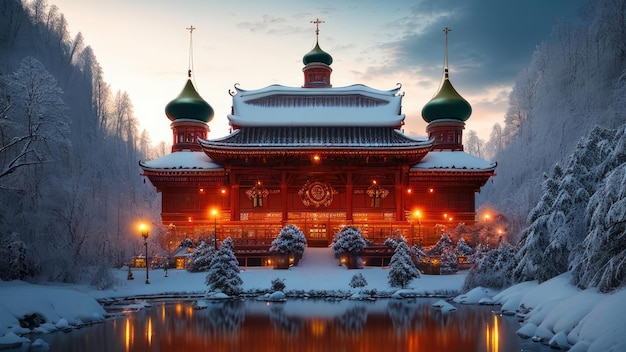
<point x="189" y="105"/>
<point x="447" y="104"/>
<point x="317" y="55"/>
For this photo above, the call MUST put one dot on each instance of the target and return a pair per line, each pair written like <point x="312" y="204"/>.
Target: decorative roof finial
<point x="317" y="23"/>
<point x="190" y="29"/>
<point x="445" y="54"/>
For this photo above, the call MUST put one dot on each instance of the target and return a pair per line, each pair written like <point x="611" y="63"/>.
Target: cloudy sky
<point x="143" y="47"/>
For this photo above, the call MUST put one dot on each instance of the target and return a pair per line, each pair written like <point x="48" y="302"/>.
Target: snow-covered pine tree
<point x="401" y="267"/>
<point x="442" y="245"/>
<point x="556" y="223"/>
<point x="462" y="248"/>
<point x="449" y="262"/>
<point x="417" y="252"/>
<point x="223" y="273"/>
<point x="201" y="258"/>
<point x="601" y="261"/>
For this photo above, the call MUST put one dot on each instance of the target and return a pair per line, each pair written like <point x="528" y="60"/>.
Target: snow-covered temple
<point x="319" y="157"/>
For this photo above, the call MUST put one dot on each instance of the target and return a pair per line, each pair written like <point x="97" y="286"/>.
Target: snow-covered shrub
<point x="444" y="243"/>
<point x="15" y="263"/>
<point x="201" y="258"/>
<point x="278" y="284"/>
<point x="348" y="240"/>
<point x="493" y="270"/>
<point x="358" y="280"/>
<point x="347" y="244"/>
<point x="393" y="241"/>
<point x="224" y="270"/>
<point x="462" y="248"/>
<point x="449" y="262"/>
<point x="418" y="253"/>
<point x="290" y="240"/>
<point x="401" y="267"/>
<point x="186" y="243"/>
<point x="102" y="278"/>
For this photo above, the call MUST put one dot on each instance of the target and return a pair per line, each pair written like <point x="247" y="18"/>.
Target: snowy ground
<point x="561" y="314"/>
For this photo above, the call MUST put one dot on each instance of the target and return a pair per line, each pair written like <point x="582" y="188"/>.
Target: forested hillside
<point x="561" y="174"/>
<point x="70" y="187"/>
<point x="575" y="81"/>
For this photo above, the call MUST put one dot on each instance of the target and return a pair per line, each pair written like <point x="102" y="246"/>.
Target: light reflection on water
<point x="298" y="325"/>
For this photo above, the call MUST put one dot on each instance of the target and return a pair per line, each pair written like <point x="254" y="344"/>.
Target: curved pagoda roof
<point x="356" y="105"/>
<point x="286" y="143"/>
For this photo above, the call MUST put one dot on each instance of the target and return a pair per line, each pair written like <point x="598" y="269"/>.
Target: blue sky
<point x="143" y="48"/>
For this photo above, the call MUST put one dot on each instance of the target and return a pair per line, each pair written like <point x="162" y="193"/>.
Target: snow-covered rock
<point x="200" y="304"/>
<point x="559" y="341"/>
<point x="475" y="295"/>
<point x="277" y="296"/>
<point x="527" y="331"/>
<point x="217" y="296"/>
<point x="11" y="340"/>
<point x="405" y="293"/>
<point x="444" y="306"/>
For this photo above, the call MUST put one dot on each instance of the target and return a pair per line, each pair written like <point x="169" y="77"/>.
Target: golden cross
<point x="317" y="25"/>
<point x="190" y="29"/>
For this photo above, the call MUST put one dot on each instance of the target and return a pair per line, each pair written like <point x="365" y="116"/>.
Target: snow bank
<point x="60" y="307"/>
<point x="560" y="315"/>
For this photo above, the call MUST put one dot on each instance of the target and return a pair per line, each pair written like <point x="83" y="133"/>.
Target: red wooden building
<point x="318" y="157"/>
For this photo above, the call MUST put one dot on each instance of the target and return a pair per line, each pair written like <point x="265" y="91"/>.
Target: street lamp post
<point x="418" y="216"/>
<point x="214" y="213"/>
<point x="143" y="230"/>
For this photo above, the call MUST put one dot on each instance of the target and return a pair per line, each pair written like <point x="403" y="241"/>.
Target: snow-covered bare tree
<point x="474" y="145"/>
<point x="33" y="124"/>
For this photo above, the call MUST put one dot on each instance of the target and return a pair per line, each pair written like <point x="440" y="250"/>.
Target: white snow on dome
<point x="456" y="160"/>
<point x="182" y="160"/>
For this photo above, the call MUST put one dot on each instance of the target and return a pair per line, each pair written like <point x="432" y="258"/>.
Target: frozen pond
<point x="299" y="325"/>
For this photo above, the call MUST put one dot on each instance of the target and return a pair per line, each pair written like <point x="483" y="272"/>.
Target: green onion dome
<point x="189" y="105"/>
<point x="317" y="55"/>
<point x="447" y="104"/>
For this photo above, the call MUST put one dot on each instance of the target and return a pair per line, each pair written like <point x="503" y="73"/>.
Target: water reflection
<point x="299" y="325"/>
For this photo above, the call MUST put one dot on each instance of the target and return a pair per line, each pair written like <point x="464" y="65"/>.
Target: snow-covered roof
<point x="183" y="160"/>
<point x="317" y="137"/>
<point x="355" y="105"/>
<point x="456" y="160"/>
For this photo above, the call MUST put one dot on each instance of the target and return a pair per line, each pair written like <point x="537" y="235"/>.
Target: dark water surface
<point x="299" y="325"/>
